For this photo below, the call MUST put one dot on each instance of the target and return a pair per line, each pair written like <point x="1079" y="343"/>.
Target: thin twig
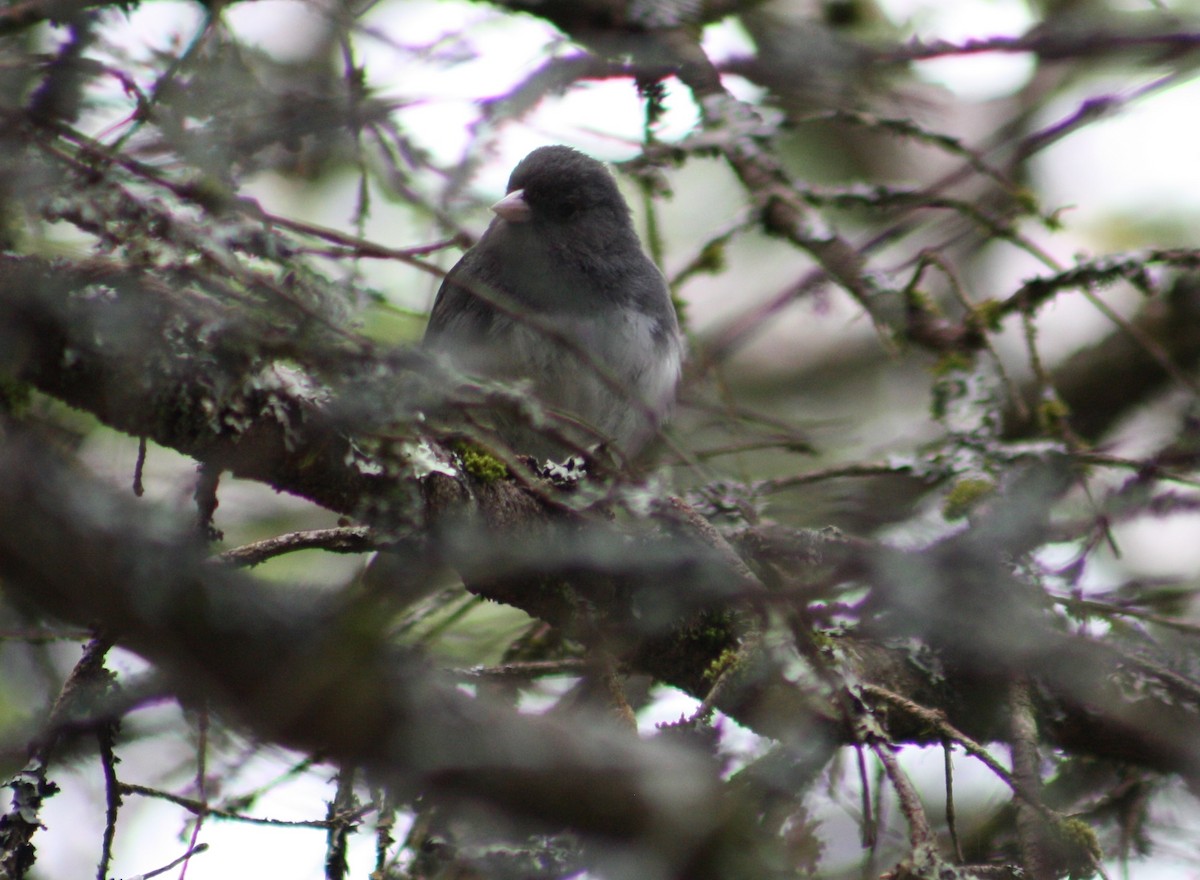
<point x="343" y="539"/>
<point x="198" y="807"/>
<point x="951" y="822"/>
<point x="42" y="636"/>
<point x="920" y="832"/>
<point x="342" y="805"/>
<point x="1144" y="467"/>
<point x="385" y="824"/>
<point x="201" y="780"/>
<point x="1073" y="602"/>
<point x="195" y="850"/>
<point x="106" y="737"/>
<point x="868" y="469"/>
<point x="870" y="832"/>
<point x="1049" y="44"/>
<point x="727" y="674"/>
<point x="208" y="479"/>
<point x="938" y="722"/>
<point x="139" y="466"/>
<point x="529" y="669"/>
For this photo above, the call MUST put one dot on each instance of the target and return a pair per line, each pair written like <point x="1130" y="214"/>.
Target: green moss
<point x="710" y="634"/>
<point x="952" y="362"/>
<point x="1078" y="847"/>
<point x="1051" y="414"/>
<point x="821" y="640"/>
<point x="712" y="258"/>
<point x="1026" y="199"/>
<point x="988" y="314"/>
<point x="919" y="300"/>
<point x="1079" y="833"/>
<point x="210" y="193"/>
<point x="480" y="464"/>
<point x="726" y="660"/>
<point x="965" y="495"/>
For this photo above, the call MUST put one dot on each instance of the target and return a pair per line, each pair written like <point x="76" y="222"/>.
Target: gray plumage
<point x="558" y="291"/>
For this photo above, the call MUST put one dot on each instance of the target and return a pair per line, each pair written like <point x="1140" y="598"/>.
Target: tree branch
<point x="321" y="677"/>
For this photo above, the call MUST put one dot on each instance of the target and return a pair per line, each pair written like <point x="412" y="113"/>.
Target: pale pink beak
<point x="513" y="207"/>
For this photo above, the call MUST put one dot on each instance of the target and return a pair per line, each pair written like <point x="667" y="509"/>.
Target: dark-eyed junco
<point x="558" y="291"/>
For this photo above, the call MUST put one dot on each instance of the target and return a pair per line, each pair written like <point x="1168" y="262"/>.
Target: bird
<point x="558" y="292"/>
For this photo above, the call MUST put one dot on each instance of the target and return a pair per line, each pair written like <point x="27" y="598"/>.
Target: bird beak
<point x="513" y="207"/>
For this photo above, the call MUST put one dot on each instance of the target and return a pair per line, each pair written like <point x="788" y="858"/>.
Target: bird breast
<point x="616" y="376"/>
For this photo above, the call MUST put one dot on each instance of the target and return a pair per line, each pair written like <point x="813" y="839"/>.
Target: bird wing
<point x="458" y="316"/>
